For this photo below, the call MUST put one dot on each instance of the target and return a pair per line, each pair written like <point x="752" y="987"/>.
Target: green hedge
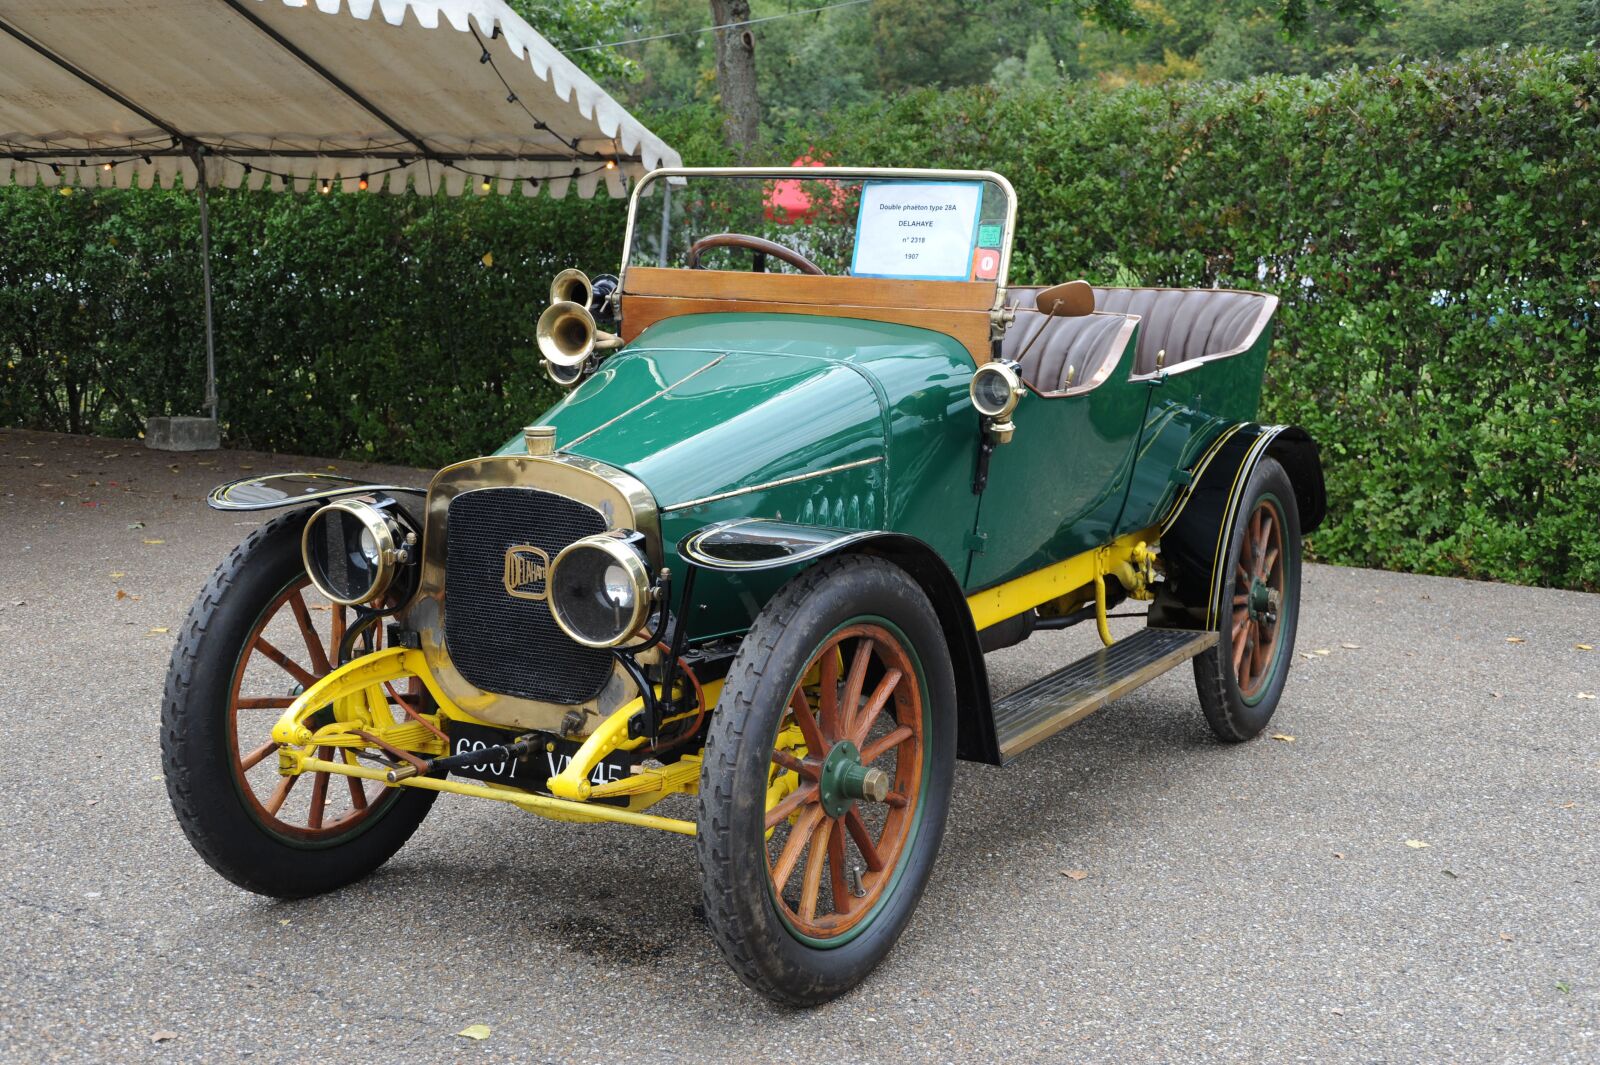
<point x="1429" y="227"/>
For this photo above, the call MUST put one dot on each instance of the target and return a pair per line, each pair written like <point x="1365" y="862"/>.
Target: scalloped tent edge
<point x="428" y="96"/>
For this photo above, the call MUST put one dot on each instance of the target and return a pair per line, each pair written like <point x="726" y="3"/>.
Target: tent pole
<point x="205" y="272"/>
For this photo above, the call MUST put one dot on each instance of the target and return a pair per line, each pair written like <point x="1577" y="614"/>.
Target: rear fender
<point x="289" y="489"/>
<point x="1194" y="534"/>
<point x="758" y="544"/>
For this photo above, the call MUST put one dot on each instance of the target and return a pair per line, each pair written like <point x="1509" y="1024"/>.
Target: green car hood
<point x="825" y="421"/>
<point x="706" y="404"/>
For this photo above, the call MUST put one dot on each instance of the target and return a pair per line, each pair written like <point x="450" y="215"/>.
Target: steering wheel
<point x="761" y="246"/>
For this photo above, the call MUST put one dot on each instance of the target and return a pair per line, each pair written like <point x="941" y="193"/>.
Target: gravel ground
<point x="1256" y="903"/>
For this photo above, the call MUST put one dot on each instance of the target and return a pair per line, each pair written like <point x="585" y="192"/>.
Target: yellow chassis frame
<point x="355" y="693"/>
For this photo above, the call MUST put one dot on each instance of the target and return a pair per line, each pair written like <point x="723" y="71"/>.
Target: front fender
<point x="748" y="544"/>
<point x="288" y="489"/>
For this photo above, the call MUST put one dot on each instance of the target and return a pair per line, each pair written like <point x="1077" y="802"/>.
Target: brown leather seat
<point x="1182" y="323"/>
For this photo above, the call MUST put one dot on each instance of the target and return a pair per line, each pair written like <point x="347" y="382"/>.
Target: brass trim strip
<point x="780" y="482"/>
<point x="642" y="403"/>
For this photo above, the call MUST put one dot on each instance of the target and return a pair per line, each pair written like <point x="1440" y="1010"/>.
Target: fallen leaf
<point x="1563" y="987"/>
<point x="162" y="1036"/>
<point x="19" y="602"/>
<point x="1451" y="874"/>
<point x="474" y="1031"/>
<point x="1283" y="737"/>
<point x="1515" y="639"/>
<point x="1415" y="844"/>
<point x="1568" y="805"/>
<point x="1074" y="874"/>
<point x="1351" y="646"/>
<point x="330" y="467"/>
<point x="1495" y="694"/>
<point x="1505" y="937"/>
<point x="135" y="524"/>
<point x="161" y="631"/>
<point x="94" y="802"/>
<point x="488" y="258"/>
<point x="1586" y="695"/>
<point x="1322" y="651"/>
<point x="155" y="541"/>
<point x="1583" y="647"/>
<point x="1336" y="854"/>
<point x="121" y="594"/>
<point x="117" y="575"/>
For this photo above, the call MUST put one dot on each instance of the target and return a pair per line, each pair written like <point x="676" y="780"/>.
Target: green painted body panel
<point x="1057" y="489"/>
<point x="1186" y="413"/>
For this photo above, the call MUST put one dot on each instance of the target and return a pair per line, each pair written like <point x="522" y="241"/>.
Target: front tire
<point x="827" y="779"/>
<point x="257" y="634"/>
<point x="1241" y="679"/>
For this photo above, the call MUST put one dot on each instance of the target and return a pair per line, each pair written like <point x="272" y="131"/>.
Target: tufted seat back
<point x="1185" y="323"/>
<point x="1068" y="353"/>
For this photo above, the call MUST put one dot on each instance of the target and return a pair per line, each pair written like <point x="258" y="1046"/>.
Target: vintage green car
<point x="739" y="582"/>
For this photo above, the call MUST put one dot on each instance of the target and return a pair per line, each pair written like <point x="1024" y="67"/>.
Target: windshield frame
<point x="867" y="173"/>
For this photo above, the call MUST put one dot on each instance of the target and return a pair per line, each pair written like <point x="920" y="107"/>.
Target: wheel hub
<point x="1261" y="597"/>
<point x="844" y="780"/>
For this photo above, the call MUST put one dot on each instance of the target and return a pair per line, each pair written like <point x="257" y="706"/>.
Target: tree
<point x="736" y="74"/>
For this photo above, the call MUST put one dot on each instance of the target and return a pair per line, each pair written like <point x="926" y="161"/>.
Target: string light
<point x="611" y="164"/>
<point x="485" y="185"/>
<point x="362" y="184"/>
<point x="105" y="166"/>
<point x="327" y="186"/>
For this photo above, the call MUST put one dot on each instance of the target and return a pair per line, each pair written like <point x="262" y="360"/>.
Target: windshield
<point x="906" y="225"/>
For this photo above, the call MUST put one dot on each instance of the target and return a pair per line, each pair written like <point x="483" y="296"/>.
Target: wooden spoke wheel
<point x="292" y="646"/>
<point x="1257" y="597"/>
<point x="853" y="781"/>
<point x="826" y="779"/>
<point x="1241" y="679"/>
<point x="258" y="635"/>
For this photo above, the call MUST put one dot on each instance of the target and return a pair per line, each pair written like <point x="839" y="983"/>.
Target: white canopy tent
<point x="428" y="95"/>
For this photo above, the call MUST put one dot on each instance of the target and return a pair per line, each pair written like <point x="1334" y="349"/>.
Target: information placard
<point x="917" y="230"/>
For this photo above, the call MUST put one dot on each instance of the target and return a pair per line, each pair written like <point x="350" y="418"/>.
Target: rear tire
<point x="1241" y="679"/>
<point x="215" y="787"/>
<point x="778" y="749"/>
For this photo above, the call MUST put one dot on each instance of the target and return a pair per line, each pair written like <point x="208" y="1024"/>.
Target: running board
<point x="1072" y="693"/>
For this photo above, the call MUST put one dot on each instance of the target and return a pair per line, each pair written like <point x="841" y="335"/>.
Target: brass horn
<point x="571" y="286"/>
<point x="567" y="334"/>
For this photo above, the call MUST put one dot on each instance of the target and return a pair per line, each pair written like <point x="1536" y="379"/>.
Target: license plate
<point x="532" y="771"/>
